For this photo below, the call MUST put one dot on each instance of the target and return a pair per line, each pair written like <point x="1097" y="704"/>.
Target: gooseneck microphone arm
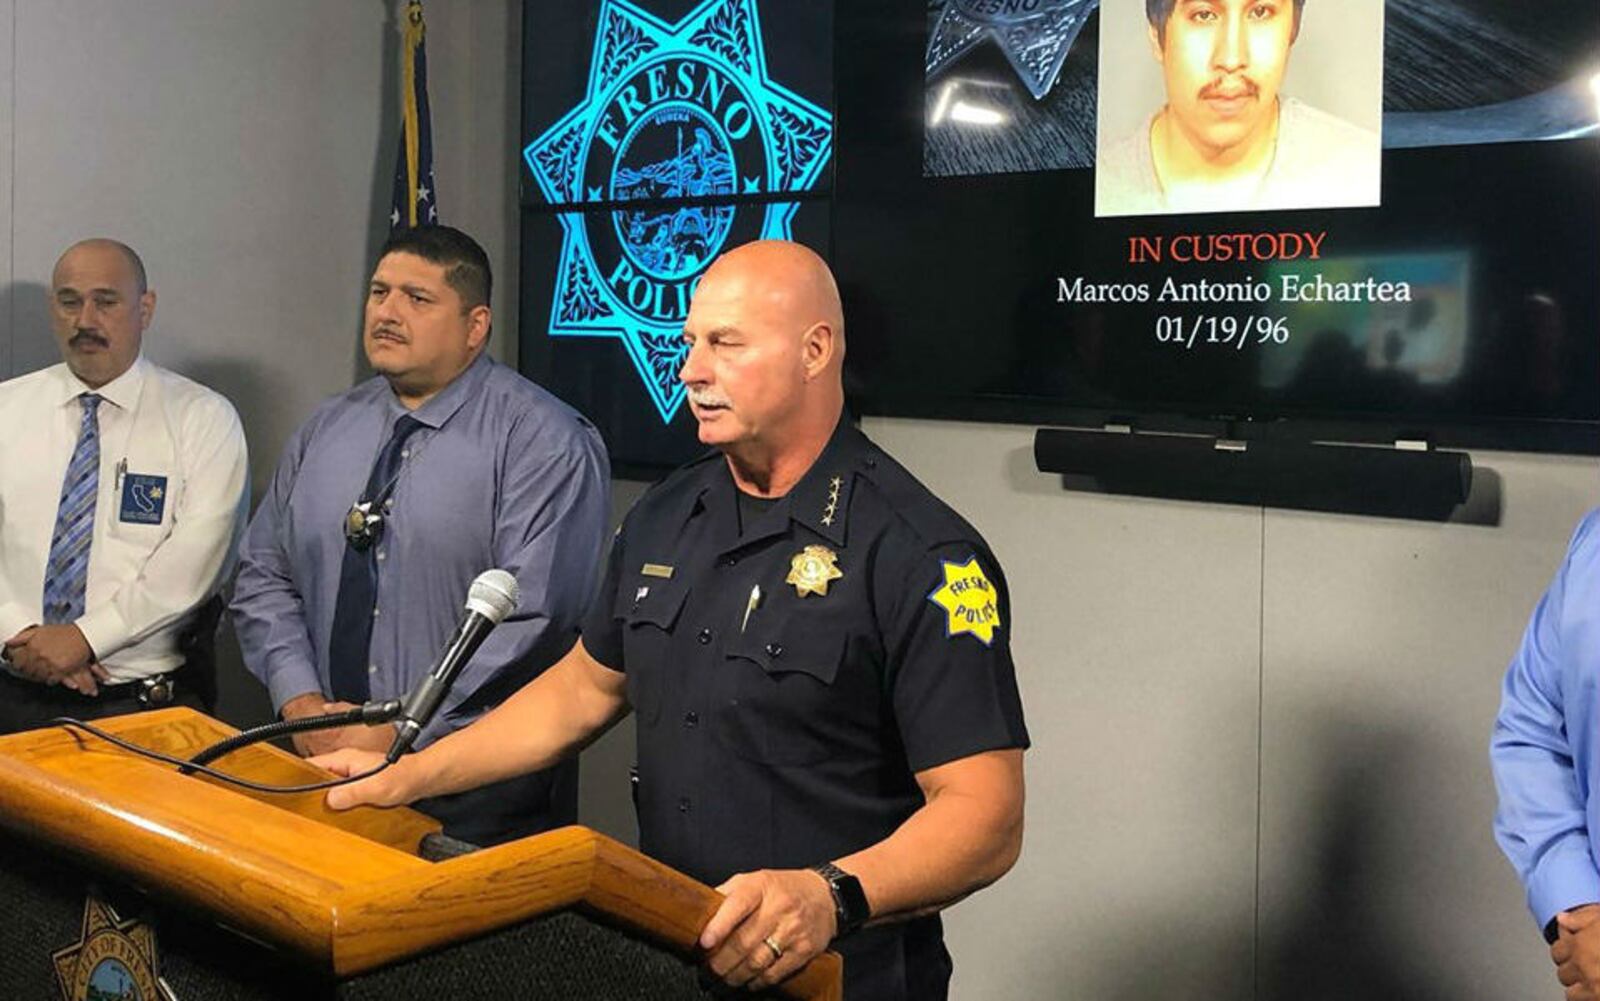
<point x="493" y="596"/>
<point x="369" y="714"/>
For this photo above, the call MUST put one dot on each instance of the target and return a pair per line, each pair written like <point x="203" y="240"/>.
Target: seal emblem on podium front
<point x="113" y="959"/>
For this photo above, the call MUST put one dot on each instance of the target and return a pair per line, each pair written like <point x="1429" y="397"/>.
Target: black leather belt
<point x="152" y="692"/>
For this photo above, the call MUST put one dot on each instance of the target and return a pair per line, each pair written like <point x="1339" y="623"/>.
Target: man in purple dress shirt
<point x="393" y="496"/>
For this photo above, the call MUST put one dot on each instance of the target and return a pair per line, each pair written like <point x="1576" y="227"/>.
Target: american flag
<point x="415" y="201"/>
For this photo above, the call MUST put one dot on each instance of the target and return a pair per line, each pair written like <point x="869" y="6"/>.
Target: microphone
<point x="491" y="598"/>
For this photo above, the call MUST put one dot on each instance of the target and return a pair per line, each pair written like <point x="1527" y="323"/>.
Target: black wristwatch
<point x="849" y="902"/>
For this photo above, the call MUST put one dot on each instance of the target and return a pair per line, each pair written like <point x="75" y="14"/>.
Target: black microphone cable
<point x="492" y="596"/>
<point x="186" y="766"/>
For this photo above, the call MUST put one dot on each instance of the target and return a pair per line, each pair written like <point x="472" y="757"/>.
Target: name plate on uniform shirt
<point x="144" y="499"/>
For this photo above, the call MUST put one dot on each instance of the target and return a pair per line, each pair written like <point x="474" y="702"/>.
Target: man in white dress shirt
<point x="122" y="489"/>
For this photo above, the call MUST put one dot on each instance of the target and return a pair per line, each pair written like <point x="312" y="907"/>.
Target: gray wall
<point x="1259" y="738"/>
<point x="1259" y="763"/>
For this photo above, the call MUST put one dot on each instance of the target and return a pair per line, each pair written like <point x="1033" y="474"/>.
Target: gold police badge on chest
<point x="811" y="569"/>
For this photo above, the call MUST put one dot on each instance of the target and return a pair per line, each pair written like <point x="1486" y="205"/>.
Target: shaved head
<point x="106" y="244"/>
<point x="785" y="276"/>
<point x="763" y="371"/>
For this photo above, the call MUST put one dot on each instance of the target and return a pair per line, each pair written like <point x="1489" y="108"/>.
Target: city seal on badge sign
<point x="1035" y="35"/>
<point x="113" y="958"/>
<point x="674" y="111"/>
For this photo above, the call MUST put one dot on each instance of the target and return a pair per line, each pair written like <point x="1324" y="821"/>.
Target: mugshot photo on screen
<point x="1238" y="105"/>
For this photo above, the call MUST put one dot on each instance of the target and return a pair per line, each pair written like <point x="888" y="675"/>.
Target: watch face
<point x="850" y="901"/>
<point x="853" y="901"/>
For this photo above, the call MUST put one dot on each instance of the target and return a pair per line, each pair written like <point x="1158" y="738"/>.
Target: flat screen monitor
<point x="656" y="134"/>
<point x="1342" y="219"/>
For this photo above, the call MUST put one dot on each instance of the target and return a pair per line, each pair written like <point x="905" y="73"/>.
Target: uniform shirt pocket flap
<point x="652" y="601"/>
<point x="816" y="653"/>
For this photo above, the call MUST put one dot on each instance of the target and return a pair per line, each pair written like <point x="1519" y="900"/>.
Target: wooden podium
<point x="106" y="856"/>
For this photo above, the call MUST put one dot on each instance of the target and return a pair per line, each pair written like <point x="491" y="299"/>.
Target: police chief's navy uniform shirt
<point x="778" y="729"/>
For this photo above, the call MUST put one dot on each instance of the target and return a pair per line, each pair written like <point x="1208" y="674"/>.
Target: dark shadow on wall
<point x="32" y="345"/>
<point x="7" y="335"/>
<point x="1164" y="960"/>
<point x="252" y="396"/>
<point x="1338" y="940"/>
<point x="241" y="700"/>
<point x="1337" y="936"/>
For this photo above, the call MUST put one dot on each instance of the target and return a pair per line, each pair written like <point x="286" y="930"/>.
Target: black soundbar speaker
<point x="1356" y="479"/>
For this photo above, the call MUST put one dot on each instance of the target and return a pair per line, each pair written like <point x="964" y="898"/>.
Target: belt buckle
<point x="156" y="691"/>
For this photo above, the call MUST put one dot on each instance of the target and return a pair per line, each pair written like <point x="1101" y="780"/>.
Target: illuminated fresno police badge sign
<point x="673" y="112"/>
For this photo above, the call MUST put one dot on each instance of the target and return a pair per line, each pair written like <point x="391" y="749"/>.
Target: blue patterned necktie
<point x="350" y="642"/>
<point x="66" y="575"/>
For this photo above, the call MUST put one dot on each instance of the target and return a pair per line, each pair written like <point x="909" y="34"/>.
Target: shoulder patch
<point x="970" y="602"/>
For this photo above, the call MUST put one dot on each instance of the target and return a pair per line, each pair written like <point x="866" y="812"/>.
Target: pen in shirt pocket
<point x="751" y="605"/>
<point x="122" y="470"/>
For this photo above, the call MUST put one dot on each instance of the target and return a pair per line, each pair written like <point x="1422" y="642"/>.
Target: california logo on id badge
<point x="144" y="499"/>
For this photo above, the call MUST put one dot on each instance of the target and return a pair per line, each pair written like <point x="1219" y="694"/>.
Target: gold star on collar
<point x="834" y="485"/>
<point x="811" y="569"/>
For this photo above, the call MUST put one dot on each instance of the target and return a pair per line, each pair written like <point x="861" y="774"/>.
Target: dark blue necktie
<point x="349" y="644"/>
<point x="66" y="575"/>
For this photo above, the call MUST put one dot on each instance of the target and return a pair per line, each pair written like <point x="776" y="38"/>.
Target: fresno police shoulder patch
<point x="970" y="602"/>
<point x="113" y="959"/>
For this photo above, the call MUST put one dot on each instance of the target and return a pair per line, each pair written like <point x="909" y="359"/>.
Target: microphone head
<point x="493" y="595"/>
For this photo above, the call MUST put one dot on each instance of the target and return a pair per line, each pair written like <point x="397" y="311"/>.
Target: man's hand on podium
<point x="387" y="788"/>
<point x="368" y="738"/>
<point x="771" y="924"/>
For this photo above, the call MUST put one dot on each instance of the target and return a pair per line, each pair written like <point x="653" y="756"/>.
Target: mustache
<point x="1229" y="88"/>
<point x="386" y="330"/>
<point x="703" y="398"/>
<point x="83" y="337"/>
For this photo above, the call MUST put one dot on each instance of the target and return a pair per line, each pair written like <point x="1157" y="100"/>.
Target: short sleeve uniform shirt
<point x="790" y="676"/>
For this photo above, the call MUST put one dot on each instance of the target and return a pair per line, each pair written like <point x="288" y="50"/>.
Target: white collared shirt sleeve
<point x="14" y="614"/>
<point x="40" y="429"/>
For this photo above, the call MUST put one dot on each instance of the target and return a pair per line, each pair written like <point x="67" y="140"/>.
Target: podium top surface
<point x="344" y="890"/>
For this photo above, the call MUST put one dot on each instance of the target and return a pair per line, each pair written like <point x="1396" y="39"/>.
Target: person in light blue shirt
<point x="393" y="496"/>
<point x="1544" y="754"/>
